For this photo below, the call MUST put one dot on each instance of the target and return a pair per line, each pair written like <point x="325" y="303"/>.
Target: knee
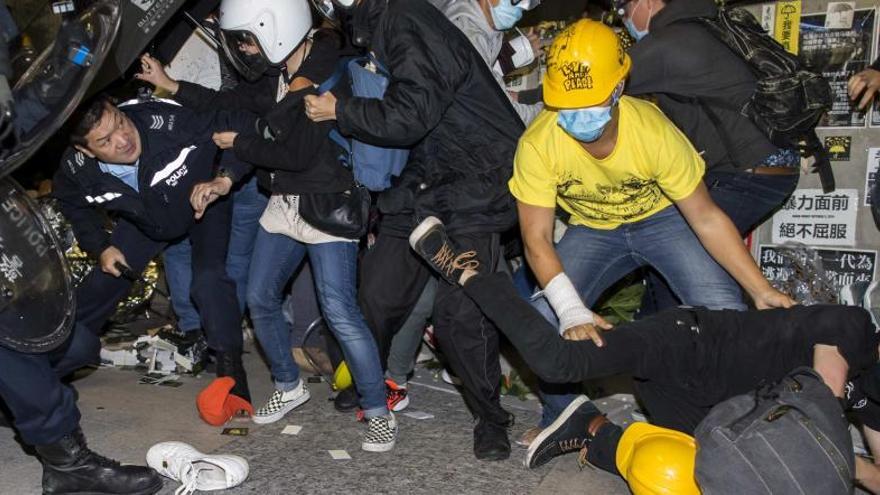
<point x="261" y="300"/>
<point x="344" y="317"/>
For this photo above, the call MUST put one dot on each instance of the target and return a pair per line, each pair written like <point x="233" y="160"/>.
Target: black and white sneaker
<point x="281" y="403"/>
<point x="569" y="433"/>
<point x="430" y="241"/>
<point x="381" y="433"/>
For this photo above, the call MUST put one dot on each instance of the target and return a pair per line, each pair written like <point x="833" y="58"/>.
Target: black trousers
<point x="392" y="278"/>
<point x="212" y="290"/>
<point x="684" y="361"/>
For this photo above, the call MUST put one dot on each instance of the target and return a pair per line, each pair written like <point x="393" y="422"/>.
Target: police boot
<point x="70" y="467"/>
<point x="229" y="364"/>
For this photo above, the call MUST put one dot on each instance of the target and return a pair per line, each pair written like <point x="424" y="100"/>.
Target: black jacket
<point x="177" y="153"/>
<point x="444" y="103"/>
<point x="680" y="61"/>
<point x="301" y="159"/>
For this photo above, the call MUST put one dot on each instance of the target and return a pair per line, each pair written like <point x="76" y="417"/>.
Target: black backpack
<point x="788" y="100"/>
<point x="789" y="437"/>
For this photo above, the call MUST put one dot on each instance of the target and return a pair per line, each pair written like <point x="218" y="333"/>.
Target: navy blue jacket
<point x="177" y="153"/>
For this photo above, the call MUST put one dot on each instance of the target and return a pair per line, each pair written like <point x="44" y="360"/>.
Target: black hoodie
<point x="681" y="62"/>
<point x="442" y="101"/>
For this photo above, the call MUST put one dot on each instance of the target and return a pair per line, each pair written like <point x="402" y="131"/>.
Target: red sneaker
<point x="395" y="396"/>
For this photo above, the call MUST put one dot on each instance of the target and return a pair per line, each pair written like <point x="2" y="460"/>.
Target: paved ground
<point x="123" y="419"/>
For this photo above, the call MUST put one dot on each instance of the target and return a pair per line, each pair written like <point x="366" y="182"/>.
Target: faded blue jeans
<point x="595" y="259"/>
<point x="334" y="267"/>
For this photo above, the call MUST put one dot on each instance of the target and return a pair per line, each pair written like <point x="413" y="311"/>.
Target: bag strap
<point x="338" y="73"/>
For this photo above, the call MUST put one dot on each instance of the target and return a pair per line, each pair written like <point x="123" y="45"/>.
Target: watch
<point x="225" y="172"/>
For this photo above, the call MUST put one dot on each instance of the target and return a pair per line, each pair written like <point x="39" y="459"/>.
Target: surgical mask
<point x="505" y="15"/>
<point x="586" y="124"/>
<point x="633" y="31"/>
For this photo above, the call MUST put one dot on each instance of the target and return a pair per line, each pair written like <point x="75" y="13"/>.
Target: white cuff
<point x="523" y="54"/>
<point x="566" y="302"/>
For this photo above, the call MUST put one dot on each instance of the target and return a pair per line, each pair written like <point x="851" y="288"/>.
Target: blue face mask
<point x="587" y="124"/>
<point x="635" y="33"/>
<point x="505" y="15"/>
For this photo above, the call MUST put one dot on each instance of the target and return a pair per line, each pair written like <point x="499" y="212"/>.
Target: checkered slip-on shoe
<point x="381" y="433"/>
<point x="281" y="403"/>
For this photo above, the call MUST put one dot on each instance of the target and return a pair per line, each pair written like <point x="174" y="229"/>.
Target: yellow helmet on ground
<point x="341" y="377"/>
<point x="584" y="64"/>
<point x="657" y="461"/>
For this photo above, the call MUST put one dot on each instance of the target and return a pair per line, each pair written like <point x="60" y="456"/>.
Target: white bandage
<point x="523" y="54"/>
<point x="566" y="302"/>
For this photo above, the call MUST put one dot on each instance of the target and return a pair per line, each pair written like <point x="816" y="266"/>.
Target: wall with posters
<point x="837" y="39"/>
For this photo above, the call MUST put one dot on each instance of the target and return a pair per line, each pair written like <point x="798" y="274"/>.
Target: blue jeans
<point x="248" y="204"/>
<point x="748" y="199"/>
<point x="595" y="259"/>
<point x="334" y="267"/>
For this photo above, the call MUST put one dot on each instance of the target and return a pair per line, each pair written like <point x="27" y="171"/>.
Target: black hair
<point x="87" y="117"/>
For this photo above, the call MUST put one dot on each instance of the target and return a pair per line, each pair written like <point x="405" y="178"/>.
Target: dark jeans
<point x="684" y="360"/>
<point x="748" y="199"/>
<point x="392" y="279"/>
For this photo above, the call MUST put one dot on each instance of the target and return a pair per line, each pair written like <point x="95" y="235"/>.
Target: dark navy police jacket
<point x="177" y="153"/>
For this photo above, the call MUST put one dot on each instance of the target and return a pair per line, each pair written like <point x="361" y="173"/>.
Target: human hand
<point x="224" y="140"/>
<point x="109" y="258"/>
<point x="867" y="84"/>
<point x="589" y="331"/>
<point x="205" y="193"/>
<point x="772" y="298"/>
<point x="153" y="73"/>
<point x="321" y="108"/>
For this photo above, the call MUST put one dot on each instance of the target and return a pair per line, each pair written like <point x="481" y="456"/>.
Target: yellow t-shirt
<point x="652" y="163"/>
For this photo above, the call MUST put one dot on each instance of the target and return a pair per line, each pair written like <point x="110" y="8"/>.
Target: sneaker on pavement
<point x="280" y="403"/>
<point x="396" y="396"/>
<point x="430" y="241"/>
<point x="526" y="439"/>
<point x="572" y="431"/>
<point x="195" y="470"/>
<point x="381" y="433"/>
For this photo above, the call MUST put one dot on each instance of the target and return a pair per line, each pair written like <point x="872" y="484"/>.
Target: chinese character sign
<point x="815" y="218"/>
<point x="787" y="29"/>
<point x="842" y="266"/>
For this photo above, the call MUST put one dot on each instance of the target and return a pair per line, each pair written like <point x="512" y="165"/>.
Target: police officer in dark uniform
<point x="144" y="161"/>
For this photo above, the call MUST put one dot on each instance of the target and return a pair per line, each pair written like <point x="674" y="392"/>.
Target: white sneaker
<point x="381" y="433"/>
<point x="195" y="470"/>
<point x="281" y="403"/>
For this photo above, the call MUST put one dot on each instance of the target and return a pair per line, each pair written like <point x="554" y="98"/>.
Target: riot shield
<point x="36" y="289"/>
<point x="48" y="92"/>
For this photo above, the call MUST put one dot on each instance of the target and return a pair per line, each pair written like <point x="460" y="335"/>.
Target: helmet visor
<point x="245" y="53"/>
<point x="326" y="9"/>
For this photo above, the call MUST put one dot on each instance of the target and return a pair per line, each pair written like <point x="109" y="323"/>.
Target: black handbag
<point x="344" y="214"/>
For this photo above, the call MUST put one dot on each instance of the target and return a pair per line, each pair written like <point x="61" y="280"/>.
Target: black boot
<point x="229" y="364"/>
<point x="69" y="467"/>
<point x="490" y="441"/>
<point x="346" y="400"/>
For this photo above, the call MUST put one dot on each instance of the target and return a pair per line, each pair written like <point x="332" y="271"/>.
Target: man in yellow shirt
<point x="632" y="185"/>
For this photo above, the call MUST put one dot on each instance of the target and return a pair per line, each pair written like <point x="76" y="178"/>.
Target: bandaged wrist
<point x="523" y="54"/>
<point x="566" y="302"/>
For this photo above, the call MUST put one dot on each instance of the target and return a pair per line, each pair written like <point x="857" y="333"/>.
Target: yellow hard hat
<point x="657" y="461"/>
<point x="341" y="377"/>
<point x="584" y="64"/>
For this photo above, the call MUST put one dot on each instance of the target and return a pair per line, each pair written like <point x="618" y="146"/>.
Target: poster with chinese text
<point x="814" y="218"/>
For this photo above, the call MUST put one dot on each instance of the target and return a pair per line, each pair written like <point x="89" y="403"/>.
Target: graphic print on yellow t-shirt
<point x="651" y="165"/>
